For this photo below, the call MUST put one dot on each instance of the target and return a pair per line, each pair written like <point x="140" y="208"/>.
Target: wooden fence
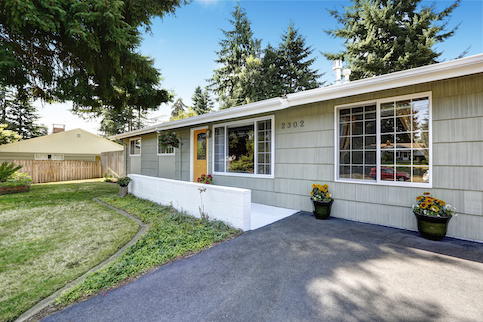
<point x="52" y="171"/>
<point x="115" y="161"/>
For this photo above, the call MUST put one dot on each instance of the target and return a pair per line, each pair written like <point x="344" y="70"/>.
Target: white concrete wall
<point x="232" y="205"/>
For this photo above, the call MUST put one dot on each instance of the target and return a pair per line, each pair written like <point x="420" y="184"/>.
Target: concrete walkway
<point x="263" y="215"/>
<point x="303" y="269"/>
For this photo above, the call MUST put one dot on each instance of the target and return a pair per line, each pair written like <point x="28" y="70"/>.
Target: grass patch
<point x="51" y="235"/>
<point x="170" y="235"/>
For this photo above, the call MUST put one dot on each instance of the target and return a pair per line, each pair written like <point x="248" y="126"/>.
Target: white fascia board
<point x="265" y="106"/>
<point x="450" y="69"/>
<point x="425" y="74"/>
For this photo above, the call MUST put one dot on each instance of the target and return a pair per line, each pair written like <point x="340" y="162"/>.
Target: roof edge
<point x="439" y="71"/>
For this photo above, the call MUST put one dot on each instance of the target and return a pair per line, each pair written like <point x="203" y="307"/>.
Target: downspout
<point x="179" y="161"/>
<point x="126" y="147"/>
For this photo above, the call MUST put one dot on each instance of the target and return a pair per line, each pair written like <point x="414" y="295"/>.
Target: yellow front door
<point x="200" y="154"/>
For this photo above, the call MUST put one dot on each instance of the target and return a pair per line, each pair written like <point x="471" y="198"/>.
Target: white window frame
<point x="252" y="121"/>
<point x="165" y="153"/>
<point x="140" y="147"/>
<point x="378" y="180"/>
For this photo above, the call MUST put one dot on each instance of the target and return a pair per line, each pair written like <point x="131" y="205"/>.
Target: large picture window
<point x="385" y="141"/>
<point x="244" y="147"/>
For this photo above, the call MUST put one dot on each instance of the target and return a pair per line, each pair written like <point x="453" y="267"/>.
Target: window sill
<point x="245" y="175"/>
<point x="387" y="183"/>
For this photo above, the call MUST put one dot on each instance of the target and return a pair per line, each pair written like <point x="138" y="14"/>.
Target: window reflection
<point x="241" y="149"/>
<point x="201" y="146"/>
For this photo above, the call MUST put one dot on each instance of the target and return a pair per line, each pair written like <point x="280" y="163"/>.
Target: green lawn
<point x="50" y="236"/>
<point x="171" y="235"/>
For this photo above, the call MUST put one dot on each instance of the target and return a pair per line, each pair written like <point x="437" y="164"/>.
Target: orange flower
<point x="424" y="205"/>
<point x="419" y="198"/>
<point x="441" y="202"/>
<point x="427" y="193"/>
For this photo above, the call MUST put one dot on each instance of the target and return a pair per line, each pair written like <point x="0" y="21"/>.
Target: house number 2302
<point x="295" y="124"/>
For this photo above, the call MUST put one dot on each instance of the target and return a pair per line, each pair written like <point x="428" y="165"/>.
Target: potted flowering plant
<point x="123" y="182"/>
<point x="168" y="138"/>
<point x="433" y="216"/>
<point x="208" y="179"/>
<point x="322" y="201"/>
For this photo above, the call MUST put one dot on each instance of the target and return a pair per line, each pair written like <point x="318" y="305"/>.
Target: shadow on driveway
<point x="303" y="269"/>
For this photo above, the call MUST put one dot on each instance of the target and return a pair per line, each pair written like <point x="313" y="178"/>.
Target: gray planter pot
<point x="123" y="191"/>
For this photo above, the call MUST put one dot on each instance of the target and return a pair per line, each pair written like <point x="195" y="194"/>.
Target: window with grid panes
<point x="397" y="150"/>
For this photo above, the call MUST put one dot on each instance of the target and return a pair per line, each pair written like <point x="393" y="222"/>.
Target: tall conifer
<point x="384" y="36"/>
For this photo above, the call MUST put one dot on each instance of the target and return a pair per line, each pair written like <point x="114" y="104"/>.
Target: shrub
<point x="17" y="179"/>
<point x="7" y="170"/>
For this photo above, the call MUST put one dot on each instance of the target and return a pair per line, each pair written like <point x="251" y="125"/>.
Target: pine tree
<point x="295" y="72"/>
<point x="272" y="84"/>
<point x="19" y="114"/>
<point x="238" y="46"/>
<point x="384" y="36"/>
<point x="202" y="102"/>
<point x="178" y="108"/>
<point x="83" y="51"/>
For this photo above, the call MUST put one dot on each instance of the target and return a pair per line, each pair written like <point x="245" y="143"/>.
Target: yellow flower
<point x="427" y="193"/>
<point x="429" y="201"/>
<point x="314" y="185"/>
<point x="327" y="195"/>
<point x="326" y="186"/>
<point x="419" y="198"/>
<point x="424" y="205"/>
<point x="441" y="202"/>
<point x="312" y="193"/>
<point x="434" y="208"/>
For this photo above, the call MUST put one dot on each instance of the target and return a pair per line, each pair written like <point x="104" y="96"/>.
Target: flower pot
<point x="322" y="209"/>
<point x="123" y="191"/>
<point x="432" y="227"/>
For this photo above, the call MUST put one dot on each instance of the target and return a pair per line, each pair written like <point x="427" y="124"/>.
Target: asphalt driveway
<point x="303" y="269"/>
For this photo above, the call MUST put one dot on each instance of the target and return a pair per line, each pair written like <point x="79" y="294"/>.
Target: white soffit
<point x="455" y="68"/>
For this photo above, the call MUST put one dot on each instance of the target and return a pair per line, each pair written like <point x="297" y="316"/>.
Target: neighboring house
<point x="77" y="144"/>
<point x="425" y="122"/>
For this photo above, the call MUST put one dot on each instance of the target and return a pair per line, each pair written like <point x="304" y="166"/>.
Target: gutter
<point x="451" y="69"/>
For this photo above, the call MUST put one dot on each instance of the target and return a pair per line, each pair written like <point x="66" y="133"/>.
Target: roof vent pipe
<point x="346" y="73"/>
<point x="337" y="67"/>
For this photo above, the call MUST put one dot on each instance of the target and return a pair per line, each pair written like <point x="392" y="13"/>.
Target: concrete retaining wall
<point x="232" y="205"/>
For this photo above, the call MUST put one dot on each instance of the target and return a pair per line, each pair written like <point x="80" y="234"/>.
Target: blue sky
<point x="184" y="45"/>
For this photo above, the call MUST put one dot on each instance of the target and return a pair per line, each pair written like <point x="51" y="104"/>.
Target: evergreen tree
<point x="8" y="136"/>
<point x="189" y="112"/>
<point x="178" y="108"/>
<point x="128" y="119"/>
<point x="21" y="116"/>
<point x="384" y="36"/>
<point x="295" y="72"/>
<point x="238" y="46"/>
<point x="201" y="101"/>
<point x="272" y="84"/>
<point x="84" y="51"/>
